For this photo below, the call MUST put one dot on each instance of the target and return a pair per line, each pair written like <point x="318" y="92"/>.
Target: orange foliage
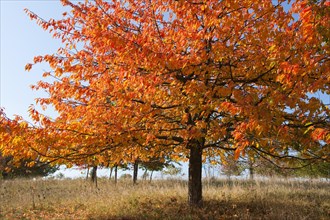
<point x="136" y="79"/>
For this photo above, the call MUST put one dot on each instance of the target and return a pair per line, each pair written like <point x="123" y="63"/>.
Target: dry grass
<point x="166" y="199"/>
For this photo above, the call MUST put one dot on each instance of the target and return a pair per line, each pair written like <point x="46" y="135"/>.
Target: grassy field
<point x="163" y="199"/>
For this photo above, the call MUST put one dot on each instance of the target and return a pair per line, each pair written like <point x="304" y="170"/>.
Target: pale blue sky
<point x="21" y="40"/>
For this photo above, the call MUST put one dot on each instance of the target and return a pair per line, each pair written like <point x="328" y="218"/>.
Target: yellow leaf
<point x="272" y="48"/>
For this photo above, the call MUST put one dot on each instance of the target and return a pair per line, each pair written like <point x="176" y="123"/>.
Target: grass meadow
<point x="163" y="199"/>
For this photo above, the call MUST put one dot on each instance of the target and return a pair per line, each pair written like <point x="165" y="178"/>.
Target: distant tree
<point x="172" y="170"/>
<point x="115" y="166"/>
<point x="9" y="170"/>
<point x="231" y="167"/>
<point x="126" y="176"/>
<point x="263" y="167"/>
<point x="316" y="170"/>
<point x="156" y="164"/>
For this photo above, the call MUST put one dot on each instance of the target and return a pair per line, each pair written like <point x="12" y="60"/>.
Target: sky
<point x="21" y="40"/>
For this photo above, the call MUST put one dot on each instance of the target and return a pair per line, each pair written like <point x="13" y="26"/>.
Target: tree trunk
<point x="195" y="177"/>
<point x="111" y="169"/>
<point x="251" y="170"/>
<point x="94" y="175"/>
<point x="87" y="173"/>
<point x="145" y="174"/>
<point x="151" y="176"/>
<point x="135" y="171"/>
<point x="116" y="174"/>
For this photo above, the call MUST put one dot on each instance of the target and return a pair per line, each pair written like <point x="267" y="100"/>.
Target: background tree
<point x="317" y="170"/>
<point x="39" y="169"/>
<point x="232" y="167"/>
<point x="155" y="164"/>
<point x="23" y="167"/>
<point x="172" y="170"/>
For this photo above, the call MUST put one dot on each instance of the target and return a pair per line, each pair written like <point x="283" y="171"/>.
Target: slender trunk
<point x="116" y="174"/>
<point x="195" y="176"/>
<point x="251" y="170"/>
<point x="87" y="173"/>
<point x="251" y="173"/>
<point x="94" y="175"/>
<point x="135" y="171"/>
<point x="111" y="169"/>
<point x="145" y="174"/>
<point x="151" y="175"/>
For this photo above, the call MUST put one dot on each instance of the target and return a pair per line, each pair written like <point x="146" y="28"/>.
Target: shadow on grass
<point x="213" y="209"/>
<point x="266" y="183"/>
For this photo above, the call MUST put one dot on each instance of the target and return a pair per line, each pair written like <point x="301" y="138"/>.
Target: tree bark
<point x="94" y="175"/>
<point x="251" y="170"/>
<point x="110" y="175"/>
<point x="151" y="176"/>
<point x="144" y="176"/>
<point x="135" y="171"/>
<point x="87" y="173"/>
<point x="195" y="177"/>
<point x="116" y="174"/>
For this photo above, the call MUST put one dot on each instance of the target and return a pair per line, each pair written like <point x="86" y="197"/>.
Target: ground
<point x="163" y="199"/>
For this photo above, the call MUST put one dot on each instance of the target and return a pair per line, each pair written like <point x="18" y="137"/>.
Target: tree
<point x="7" y="170"/>
<point x="136" y="79"/>
<point x="23" y="167"/>
<point x="316" y="170"/>
<point x="156" y="164"/>
<point x="264" y="167"/>
<point x="135" y="171"/>
<point x="231" y="167"/>
<point x="172" y="170"/>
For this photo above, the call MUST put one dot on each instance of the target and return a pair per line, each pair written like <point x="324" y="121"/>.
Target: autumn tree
<point x="14" y="131"/>
<point x="184" y="79"/>
<point x="39" y="169"/>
